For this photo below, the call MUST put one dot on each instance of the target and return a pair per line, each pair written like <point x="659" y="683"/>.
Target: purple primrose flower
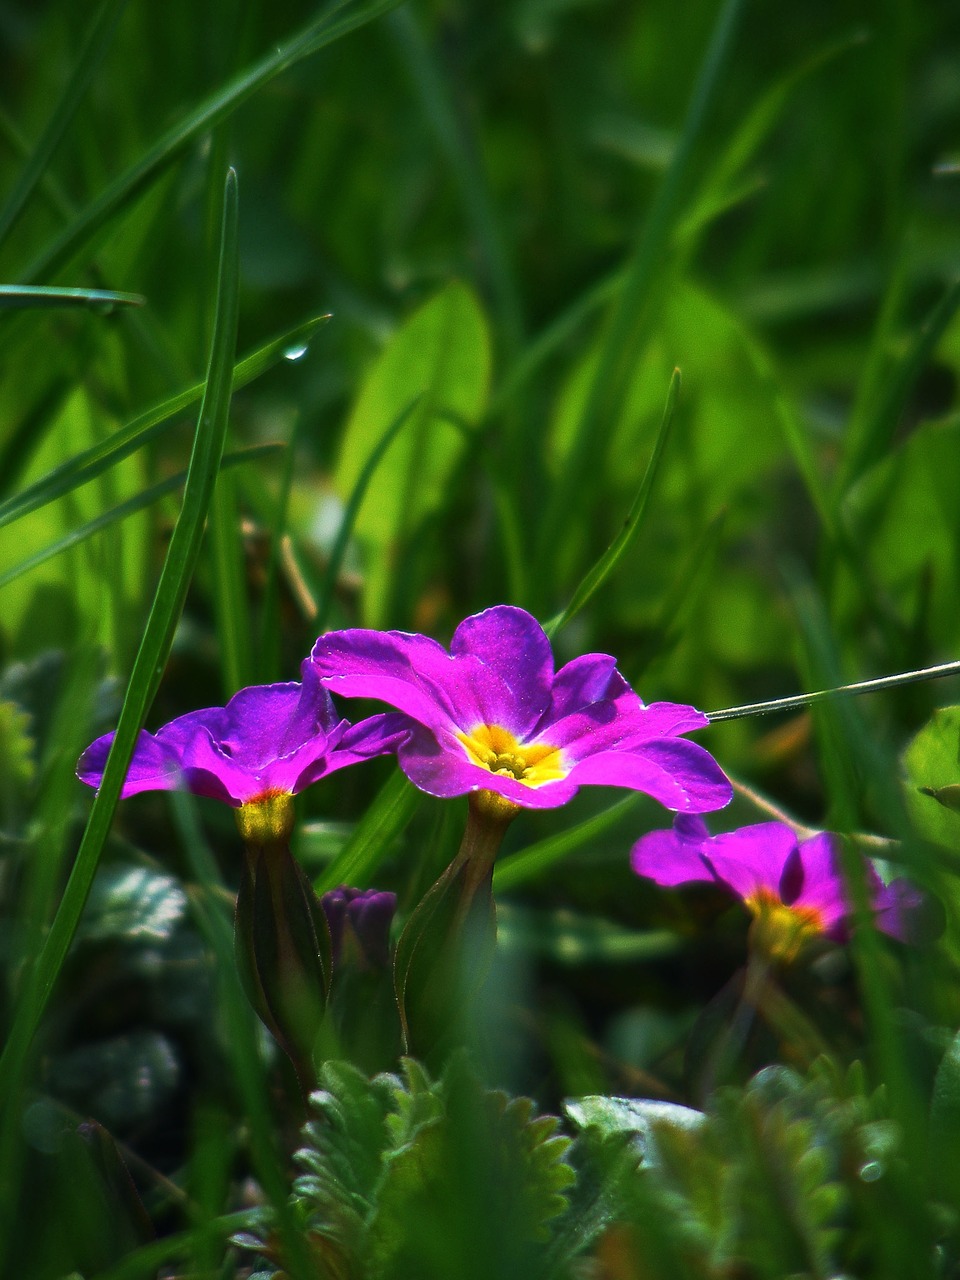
<point x="492" y="715"/>
<point x="269" y="740"/>
<point x="793" y="888"/>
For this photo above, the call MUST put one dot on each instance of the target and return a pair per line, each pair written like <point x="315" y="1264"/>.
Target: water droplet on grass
<point x="296" y="352"/>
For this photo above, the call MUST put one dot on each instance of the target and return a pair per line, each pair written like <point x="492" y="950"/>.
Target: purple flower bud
<point x="359" y="921"/>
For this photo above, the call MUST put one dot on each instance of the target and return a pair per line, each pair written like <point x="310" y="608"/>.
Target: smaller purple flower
<point x="492" y="717"/>
<point x="268" y="743"/>
<point x="359" y="921"/>
<point x="794" y="889"/>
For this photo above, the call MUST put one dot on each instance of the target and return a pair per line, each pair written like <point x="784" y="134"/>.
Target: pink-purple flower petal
<point x="493" y="716"/>
<point x="268" y="739"/>
<point x="767" y="863"/>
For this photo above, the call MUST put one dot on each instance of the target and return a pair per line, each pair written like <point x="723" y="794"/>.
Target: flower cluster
<point x="493" y="719"/>
<point x="491" y="716"/>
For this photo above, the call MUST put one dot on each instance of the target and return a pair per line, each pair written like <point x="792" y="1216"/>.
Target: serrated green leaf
<point x="132" y="904"/>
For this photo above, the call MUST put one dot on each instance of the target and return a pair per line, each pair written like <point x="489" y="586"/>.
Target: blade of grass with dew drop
<point x="91" y="462"/>
<point x="120" y="512"/>
<point x="619" y="347"/>
<point x="354" y="503"/>
<point x="621" y="545"/>
<point x="21" y="296"/>
<point x="392" y="808"/>
<point x="85" y="67"/>
<point x="519" y="868"/>
<point x="124" y="189"/>
<point x="147" y="670"/>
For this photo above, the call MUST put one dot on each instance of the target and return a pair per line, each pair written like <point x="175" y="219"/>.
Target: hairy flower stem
<point x="444" y="950"/>
<point x="486" y="826"/>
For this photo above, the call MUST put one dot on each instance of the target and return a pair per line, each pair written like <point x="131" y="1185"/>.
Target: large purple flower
<point x="795" y="889"/>
<point x="269" y="740"/>
<point x="492" y="715"/>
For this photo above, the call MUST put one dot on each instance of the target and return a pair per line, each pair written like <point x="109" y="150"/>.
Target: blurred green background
<point x="522" y="217"/>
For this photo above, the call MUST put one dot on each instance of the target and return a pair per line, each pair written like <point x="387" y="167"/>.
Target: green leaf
<point x="641" y="1117"/>
<point x="131" y="904"/>
<point x="440" y="358"/>
<point x="931" y="761"/>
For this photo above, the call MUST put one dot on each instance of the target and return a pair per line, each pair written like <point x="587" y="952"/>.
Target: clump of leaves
<point x="786" y="1176"/>
<point x="408" y="1176"/>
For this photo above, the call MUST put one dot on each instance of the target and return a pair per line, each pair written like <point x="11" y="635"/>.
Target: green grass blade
<point x="872" y="434"/>
<point x="619" y="349"/>
<point x="85" y="68"/>
<point x="394" y="806"/>
<point x="20" y="296"/>
<point x="519" y="868"/>
<point x="621" y="545"/>
<point x="120" y="512"/>
<point x="462" y="155"/>
<point x="148" y="667"/>
<point x="229" y="589"/>
<point x="91" y="462"/>
<point x="354" y="503"/>
<point x="123" y="190"/>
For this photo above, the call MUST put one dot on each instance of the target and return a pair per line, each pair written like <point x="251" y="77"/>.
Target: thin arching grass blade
<point x="16" y="297"/>
<point x="796" y="700"/>
<point x="84" y="69"/>
<point x="120" y="512"/>
<point x="148" y="666"/>
<point x="87" y="465"/>
<point x="872" y="429"/>
<point x="124" y="189"/>
<point x="597" y="576"/>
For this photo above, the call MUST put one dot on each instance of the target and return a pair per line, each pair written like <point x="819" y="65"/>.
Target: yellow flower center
<point x="266" y="819"/>
<point x="779" y="931"/>
<point x="495" y="748"/>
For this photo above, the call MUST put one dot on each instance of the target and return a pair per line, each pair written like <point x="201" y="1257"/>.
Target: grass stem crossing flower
<point x="492" y="717"/>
